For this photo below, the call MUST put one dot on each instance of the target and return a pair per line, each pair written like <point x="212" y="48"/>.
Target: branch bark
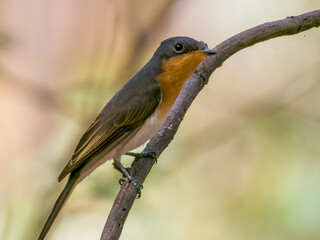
<point x="141" y="167"/>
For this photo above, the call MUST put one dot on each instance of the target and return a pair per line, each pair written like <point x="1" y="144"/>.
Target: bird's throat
<point x="175" y="72"/>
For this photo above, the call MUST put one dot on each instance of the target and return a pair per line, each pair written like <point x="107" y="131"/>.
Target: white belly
<point x="147" y="131"/>
<point x="143" y="134"/>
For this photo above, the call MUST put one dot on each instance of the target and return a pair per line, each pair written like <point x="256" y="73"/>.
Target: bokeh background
<point x="244" y="163"/>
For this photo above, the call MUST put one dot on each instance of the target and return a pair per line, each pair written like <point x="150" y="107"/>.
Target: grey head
<point x="176" y="46"/>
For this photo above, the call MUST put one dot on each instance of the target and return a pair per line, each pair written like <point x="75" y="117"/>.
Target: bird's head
<point x="179" y="46"/>
<point x="178" y="58"/>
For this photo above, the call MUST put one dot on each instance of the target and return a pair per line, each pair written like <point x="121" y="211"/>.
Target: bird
<point x="133" y="115"/>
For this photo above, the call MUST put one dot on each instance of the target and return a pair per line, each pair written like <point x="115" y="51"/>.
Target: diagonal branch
<point x="141" y="167"/>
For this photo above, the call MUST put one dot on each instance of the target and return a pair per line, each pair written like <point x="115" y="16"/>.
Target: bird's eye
<point x="178" y="47"/>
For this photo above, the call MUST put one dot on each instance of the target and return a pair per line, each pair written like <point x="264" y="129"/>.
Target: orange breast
<point x="176" y="71"/>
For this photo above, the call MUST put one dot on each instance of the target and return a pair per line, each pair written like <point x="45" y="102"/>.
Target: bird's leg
<point x="115" y="166"/>
<point x="151" y="155"/>
<point x="128" y="177"/>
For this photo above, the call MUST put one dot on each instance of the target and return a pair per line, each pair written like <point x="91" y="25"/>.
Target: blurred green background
<point x="244" y="163"/>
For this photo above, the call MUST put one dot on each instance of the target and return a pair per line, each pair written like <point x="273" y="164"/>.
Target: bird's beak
<point x="209" y="51"/>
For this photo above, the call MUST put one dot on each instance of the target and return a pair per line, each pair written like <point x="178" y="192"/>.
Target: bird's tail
<point x="64" y="195"/>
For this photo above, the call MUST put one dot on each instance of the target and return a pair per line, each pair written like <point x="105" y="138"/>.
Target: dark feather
<point x="125" y="112"/>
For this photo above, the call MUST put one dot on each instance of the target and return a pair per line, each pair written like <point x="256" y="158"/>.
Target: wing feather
<point x="123" y="114"/>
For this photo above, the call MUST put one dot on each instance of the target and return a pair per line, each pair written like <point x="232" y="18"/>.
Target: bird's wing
<point x="121" y="116"/>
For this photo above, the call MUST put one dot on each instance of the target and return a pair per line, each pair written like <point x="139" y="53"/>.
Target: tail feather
<point x="64" y="195"/>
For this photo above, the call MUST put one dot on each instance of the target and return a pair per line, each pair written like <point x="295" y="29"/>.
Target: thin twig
<point x="141" y="167"/>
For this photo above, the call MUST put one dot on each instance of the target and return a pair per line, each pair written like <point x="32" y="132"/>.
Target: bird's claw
<point x="138" y="186"/>
<point x="122" y="180"/>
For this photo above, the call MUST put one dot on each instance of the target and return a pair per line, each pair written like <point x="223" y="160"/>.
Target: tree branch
<point x="141" y="167"/>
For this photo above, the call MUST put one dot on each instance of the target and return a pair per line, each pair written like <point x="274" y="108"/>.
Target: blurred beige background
<point x="245" y="162"/>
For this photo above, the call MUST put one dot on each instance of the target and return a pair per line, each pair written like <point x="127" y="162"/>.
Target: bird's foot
<point x="138" y="186"/>
<point x="151" y="155"/>
<point x="128" y="177"/>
